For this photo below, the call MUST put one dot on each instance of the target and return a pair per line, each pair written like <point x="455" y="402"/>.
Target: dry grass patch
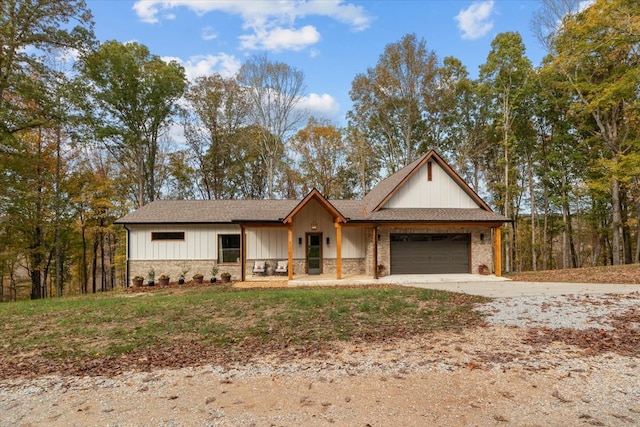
<point x="629" y="274"/>
<point x="179" y="326"/>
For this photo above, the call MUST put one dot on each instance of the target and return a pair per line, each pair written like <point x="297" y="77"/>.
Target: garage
<point x="430" y="253"/>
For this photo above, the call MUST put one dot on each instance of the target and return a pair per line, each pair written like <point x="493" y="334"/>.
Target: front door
<point x="314" y="253"/>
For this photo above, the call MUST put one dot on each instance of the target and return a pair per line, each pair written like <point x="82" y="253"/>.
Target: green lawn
<point x="196" y="323"/>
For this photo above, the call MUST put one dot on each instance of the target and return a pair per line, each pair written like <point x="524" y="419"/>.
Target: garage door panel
<point x="429" y="253"/>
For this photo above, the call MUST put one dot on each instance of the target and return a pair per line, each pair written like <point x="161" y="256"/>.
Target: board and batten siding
<point x="441" y="192"/>
<point x="354" y="244"/>
<point x="200" y="242"/>
<point x="271" y="243"/>
<point x="267" y="243"/>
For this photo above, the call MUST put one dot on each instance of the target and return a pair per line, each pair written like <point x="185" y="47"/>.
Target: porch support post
<point x="497" y="251"/>
<point x="375" y="252"/>
<point x="243" y="248"/>
<point x="290" y="249"/>
<point x="338" y="250"/>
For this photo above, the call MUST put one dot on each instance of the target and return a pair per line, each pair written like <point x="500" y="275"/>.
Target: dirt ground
<point x="484" y="376"/>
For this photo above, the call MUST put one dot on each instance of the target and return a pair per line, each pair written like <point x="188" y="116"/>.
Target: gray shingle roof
<point x="209" y="211"/>
<point x="367" y="209"/>
<point x="437" y="215"/>
<point x="374" y="197"/>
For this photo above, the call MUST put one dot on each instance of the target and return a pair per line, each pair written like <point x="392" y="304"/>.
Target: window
<point x="167" y="235"/>
<point x="228" y="248"/>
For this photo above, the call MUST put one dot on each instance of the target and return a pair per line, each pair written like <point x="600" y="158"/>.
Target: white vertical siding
<point x="353" y="242"/>
<point x="267" y="243"/>
<point x="200" y="242"/>
<point x="441" y="192"/>
<point x="271" y="242"/>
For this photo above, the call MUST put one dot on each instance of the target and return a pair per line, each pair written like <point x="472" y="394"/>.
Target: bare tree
<point x="274" y="90"/>
<point x="546" y="20"/>
<point x="394" y="101"/>
<point x="217" y="113"/>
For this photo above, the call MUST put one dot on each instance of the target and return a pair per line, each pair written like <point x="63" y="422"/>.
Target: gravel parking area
<point x="499" y="374"/>
<point x="560" y="311"/>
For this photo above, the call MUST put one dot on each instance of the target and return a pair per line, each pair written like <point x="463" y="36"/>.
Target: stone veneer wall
<point x="481" y="250"/>
<point x="349" y="266"/>
<point x="173" y="269"/>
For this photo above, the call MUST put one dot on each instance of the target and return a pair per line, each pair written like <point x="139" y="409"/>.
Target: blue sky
<point x="331" y="41"/>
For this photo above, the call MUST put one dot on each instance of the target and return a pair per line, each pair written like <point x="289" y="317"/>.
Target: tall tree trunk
<point x="58" y="251"/>
<point x="637" y="256"/>
<point x="626" y="235"/>
<point x="616" y="224"/>
<point x="94" y="263"/>
<point x="102" y="256"/>
<point x="546" y="246"/>
<point x="532" y="196"/>
<point x="84" y="268"/>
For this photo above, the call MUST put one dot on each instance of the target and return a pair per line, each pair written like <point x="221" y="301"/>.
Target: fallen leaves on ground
<point x="629" y="273"/>
<point x="623" y="338"/>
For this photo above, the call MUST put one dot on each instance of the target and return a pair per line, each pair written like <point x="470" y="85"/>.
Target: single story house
<point x="424" y="219"/>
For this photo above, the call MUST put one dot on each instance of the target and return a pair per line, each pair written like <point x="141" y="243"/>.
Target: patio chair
<point x="282" y="267"/>
<point x="259" y="267"/>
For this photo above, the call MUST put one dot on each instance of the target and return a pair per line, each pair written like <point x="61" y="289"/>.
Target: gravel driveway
<point x="499" y="374"/>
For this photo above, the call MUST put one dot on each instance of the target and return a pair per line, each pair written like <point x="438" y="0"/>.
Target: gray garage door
<point x="429" y="253"/>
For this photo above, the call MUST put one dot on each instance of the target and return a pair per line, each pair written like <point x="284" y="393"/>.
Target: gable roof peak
<point x="381" y="193"/>
<point x="315" y="194"/>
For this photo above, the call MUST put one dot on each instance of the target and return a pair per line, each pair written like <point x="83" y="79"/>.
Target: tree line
<point x="88" y="133"/>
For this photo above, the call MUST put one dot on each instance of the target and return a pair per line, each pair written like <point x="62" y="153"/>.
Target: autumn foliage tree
<point x="321" y="158"/>
<point x="390" y="101"/>
<point x="596" y="52"/>
<point x="131" y="102"/>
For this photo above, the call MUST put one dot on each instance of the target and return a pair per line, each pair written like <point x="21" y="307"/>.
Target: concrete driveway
<point x="496" y="287"/>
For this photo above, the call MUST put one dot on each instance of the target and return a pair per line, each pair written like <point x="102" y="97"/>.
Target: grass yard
<point x="108" y="333"/>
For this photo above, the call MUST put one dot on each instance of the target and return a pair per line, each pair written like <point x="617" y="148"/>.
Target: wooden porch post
<point x="497" y="251"/>
<point x="290" y="249"/>
<point x="338" y="250"/>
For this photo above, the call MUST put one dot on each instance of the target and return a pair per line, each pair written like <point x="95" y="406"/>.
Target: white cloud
<point x="205" y="65"/>
<point x="320" y="105"/>
<point x="475" y="21"/>
<point x="146" y="11"/>
<point x="278" y="39"/>
<point x="208" y="33"/>
<point x="585" y="4"/>
<point x="269" y="24"/>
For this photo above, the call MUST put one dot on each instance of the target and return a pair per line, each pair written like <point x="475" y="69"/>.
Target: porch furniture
<point x="259" y="267"/>
<point x="282" y="267"/>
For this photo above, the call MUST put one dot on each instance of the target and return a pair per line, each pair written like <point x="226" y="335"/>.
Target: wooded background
<point x="87" y="134"/>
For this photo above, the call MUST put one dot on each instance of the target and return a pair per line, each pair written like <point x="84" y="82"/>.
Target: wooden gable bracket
<point x="338" y="219"/>
<point x="314" y="194"/>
